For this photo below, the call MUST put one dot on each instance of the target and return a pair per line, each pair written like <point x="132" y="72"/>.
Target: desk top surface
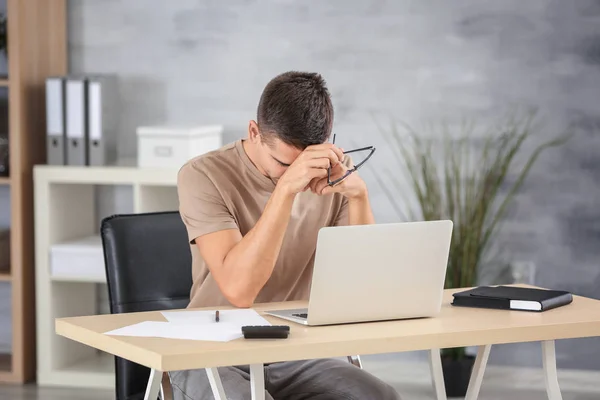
<point x="453" y="327"/>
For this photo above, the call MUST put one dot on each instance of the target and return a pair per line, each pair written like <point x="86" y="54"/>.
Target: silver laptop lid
<point x="378" y="272"/>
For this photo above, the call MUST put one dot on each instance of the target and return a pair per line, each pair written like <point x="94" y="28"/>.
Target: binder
<point x="56" y="152"/>
<point x="76" y="117"/>
<point x="512" y="298"/>
<point x="103" y="108"/>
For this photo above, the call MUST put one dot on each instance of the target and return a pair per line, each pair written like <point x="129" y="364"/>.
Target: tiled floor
<point x="411" y="379"/>
<point x="408" y="392"/>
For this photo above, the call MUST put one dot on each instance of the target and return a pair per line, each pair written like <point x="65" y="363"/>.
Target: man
<point x="252" y="210"/>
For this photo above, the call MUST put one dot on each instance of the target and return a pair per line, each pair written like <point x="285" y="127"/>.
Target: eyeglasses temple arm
<point x="357" y="166"/>
<point x="361" y="149"/>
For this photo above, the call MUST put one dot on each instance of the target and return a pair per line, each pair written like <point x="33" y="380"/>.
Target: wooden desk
<point x="454" y="327"/>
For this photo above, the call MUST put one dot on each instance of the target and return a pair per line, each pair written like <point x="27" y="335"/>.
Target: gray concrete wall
<point x="207" y="62"/>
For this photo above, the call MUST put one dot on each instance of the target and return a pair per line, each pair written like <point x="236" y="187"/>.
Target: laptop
<point x="366" y="273"/>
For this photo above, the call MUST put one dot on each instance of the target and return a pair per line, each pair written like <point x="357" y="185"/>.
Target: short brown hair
<point x="296" y="107"/>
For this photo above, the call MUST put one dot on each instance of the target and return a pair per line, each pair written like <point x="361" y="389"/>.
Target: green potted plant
<point x="471" y="180"/>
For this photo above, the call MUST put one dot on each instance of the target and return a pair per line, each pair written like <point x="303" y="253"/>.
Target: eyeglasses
<point x="353" y="169"/>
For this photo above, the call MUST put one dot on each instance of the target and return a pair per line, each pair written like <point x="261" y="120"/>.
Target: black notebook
<point x="512" y="298"/>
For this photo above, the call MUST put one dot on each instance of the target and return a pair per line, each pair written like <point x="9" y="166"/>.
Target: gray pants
<point x="322" y="379"/>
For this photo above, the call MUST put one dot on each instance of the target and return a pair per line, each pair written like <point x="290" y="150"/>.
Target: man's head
<point x="294" y="112"/>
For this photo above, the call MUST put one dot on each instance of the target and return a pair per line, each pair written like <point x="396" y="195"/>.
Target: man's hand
<point x="352" y="186"/>
<point x="311" y="164"/>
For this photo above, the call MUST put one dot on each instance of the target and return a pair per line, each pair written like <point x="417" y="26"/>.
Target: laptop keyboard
<point x="301" y="315"/>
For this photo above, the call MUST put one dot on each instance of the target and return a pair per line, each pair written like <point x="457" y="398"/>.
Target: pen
<point x="217" y="316"/>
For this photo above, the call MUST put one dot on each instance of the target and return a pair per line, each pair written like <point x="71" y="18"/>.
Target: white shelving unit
<point x="65" y="210"/>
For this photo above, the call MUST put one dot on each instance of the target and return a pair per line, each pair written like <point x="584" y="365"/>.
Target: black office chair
<point x="148" y="268"/>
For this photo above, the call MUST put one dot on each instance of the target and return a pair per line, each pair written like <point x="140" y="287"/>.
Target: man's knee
<point x="357" y="384"/>
<point x="387" y="392"/>
<point x="371" y="387"/>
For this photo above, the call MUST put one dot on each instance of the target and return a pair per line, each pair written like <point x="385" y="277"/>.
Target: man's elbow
<point x="241" y="302"/>
<point x="238" y="297"/>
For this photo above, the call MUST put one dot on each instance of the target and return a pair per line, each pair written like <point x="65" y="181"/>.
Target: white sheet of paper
<point x="170" y="330"/>
<point x="243" y="317"/>
<point x="195" y="325"/>
<point x="145" y="329"/>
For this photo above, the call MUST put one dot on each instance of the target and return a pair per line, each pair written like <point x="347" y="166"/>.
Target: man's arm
<point x="359" y="210"/>
<point x="242" y="265"/>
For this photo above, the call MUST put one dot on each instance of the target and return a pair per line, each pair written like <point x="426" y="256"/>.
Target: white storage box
<point x="81" y="260"/>
<point x="171" y="147"/>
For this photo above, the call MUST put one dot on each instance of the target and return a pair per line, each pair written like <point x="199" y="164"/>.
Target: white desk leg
<point x="153" y="385"/>
<point x="550" y="373"/>
<point x="355" y="360"/>
<point x="257" y="381"/>
<point x="437" y="374"/>
<point x="215" y="383"/>
<point x="483" y="353"/>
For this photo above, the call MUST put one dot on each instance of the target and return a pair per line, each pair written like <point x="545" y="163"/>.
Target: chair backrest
<point x="148" y="267"/>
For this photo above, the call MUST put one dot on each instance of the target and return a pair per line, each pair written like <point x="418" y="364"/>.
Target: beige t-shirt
<point x="223" y="189"/>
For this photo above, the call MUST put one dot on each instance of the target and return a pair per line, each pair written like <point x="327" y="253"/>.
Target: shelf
<point x="77" y="278"/>
<point x="4" y="180"/>
<point x="97" y="371"/>
<point x="66" y="214"/>
<point x="106" y="175"/>
<point x="4" y="82"/>
<point x="5" y="277"/>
